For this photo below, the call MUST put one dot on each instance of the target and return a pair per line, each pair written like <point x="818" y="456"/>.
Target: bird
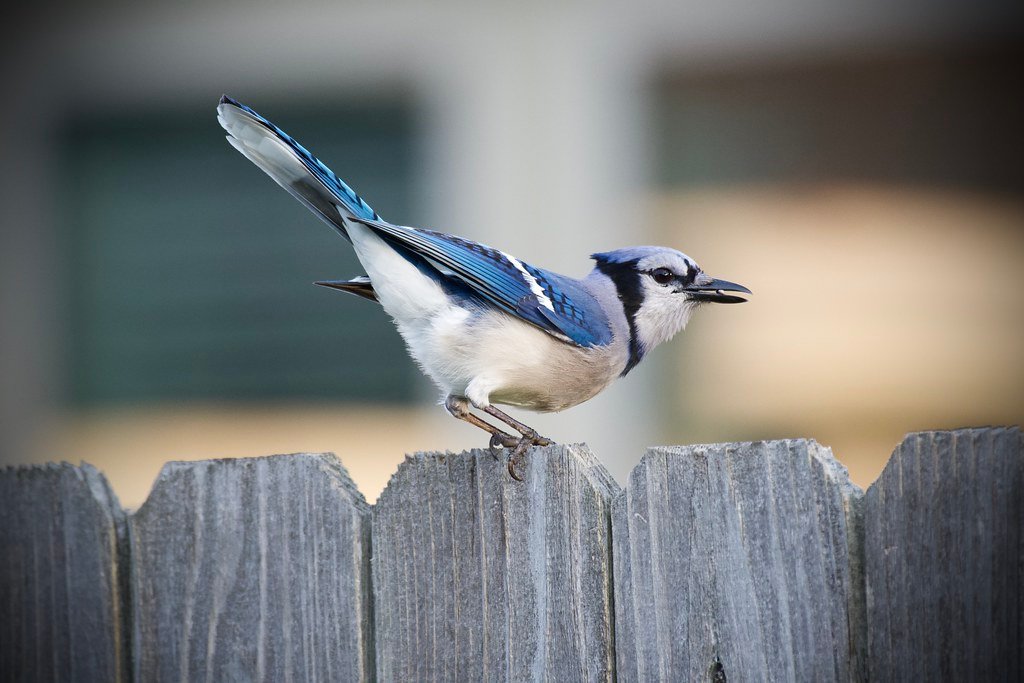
<point x="488" y="328"/>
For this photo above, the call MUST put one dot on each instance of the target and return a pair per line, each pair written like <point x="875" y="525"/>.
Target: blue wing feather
<point x="491" y="275"/>
<point x="575" y="313"/>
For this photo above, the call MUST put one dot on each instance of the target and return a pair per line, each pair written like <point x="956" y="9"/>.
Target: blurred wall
<point x="873" y="201"/>
<point x="536" y="132"/>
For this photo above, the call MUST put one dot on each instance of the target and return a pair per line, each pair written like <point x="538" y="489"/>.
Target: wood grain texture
<point x="252" y="569"/>
<point x="480" y="577"/>
<point x="61" y="608"/>
<point x="944" y="556"/>
<point x="732" y="562"/>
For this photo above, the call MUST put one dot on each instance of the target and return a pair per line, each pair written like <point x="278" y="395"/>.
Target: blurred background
<point x="857" y="165"/>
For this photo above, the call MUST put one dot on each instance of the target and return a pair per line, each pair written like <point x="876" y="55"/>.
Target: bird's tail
<point x="292" y="166"/>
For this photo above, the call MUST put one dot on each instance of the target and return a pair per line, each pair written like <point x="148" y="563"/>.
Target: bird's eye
<point x="663" y="276"/>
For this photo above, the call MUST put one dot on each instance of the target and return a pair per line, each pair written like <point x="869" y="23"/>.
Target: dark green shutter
<point x="188" y="271"/>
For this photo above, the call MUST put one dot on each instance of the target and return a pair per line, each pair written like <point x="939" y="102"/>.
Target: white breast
<point x="489" y="356"/>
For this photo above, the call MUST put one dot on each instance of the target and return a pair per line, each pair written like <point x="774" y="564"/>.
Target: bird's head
<point x="659" y="289"/>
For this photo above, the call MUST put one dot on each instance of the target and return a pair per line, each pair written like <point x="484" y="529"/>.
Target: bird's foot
<point x="499" y="441"/>
<point x="529" y="438"/>
<point x="539" y="440"/>
<point x="458" y="406"/>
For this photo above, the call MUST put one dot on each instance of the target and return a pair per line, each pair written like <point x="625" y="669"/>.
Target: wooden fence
<point x="731" y="562"/>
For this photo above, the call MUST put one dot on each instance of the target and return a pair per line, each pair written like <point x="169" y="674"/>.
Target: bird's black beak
<point x="715" y="292"/>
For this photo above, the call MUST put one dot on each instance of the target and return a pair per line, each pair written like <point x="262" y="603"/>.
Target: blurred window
<point x="188" y="271"/>
<point x="948" y="118"/>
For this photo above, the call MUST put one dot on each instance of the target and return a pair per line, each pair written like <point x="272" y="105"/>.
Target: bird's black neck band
<point x="627" y="284"/>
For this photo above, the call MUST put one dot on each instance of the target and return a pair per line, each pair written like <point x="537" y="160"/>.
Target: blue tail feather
<point x="351" y="201"/>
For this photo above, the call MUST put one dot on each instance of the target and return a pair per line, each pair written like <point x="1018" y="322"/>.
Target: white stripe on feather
<point x="542" y="298"/>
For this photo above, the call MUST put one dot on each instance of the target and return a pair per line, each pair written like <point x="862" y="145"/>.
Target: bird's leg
<point x="459" y="408"/>
<point x="530" y="438"/>
<point x="528" y="433"/>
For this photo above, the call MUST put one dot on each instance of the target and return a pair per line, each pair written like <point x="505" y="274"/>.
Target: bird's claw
<point x="499" y="441"/>
<point x="531" y="438"/>
<point x="517" y="453"/>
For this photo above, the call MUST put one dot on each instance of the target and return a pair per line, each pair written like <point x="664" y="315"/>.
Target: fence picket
<point x="62" y="611"/>
<point x="944" y="558"/>
<point x="252" y="569"/>
<point x="733" y="561"/>
<point x="480" y="577"/>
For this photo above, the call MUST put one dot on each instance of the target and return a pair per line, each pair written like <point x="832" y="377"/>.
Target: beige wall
<point x="876" y="311"/>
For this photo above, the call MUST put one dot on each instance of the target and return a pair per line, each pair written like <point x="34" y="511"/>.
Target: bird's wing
<point x="556" y="304"/>
<point x="293" y="167"/>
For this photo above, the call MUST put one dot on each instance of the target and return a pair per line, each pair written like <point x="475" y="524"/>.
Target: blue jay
<point x="486" y="327"/>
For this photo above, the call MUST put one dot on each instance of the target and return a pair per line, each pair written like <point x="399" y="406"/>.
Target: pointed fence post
<point x="61" y="593"/>
<point x="252" y="569"/>
<point x="944" y="548"/>
<point x="480" y="577"/>
<point x="733" y="562"/>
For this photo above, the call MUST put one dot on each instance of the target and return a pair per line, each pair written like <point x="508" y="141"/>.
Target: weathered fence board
<point x="252" y="569"/>
<point x="732" y="562"/>
<point x="944" y="556"/>
<point x="480" y="577"/>
<point x="61" y="611"/>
